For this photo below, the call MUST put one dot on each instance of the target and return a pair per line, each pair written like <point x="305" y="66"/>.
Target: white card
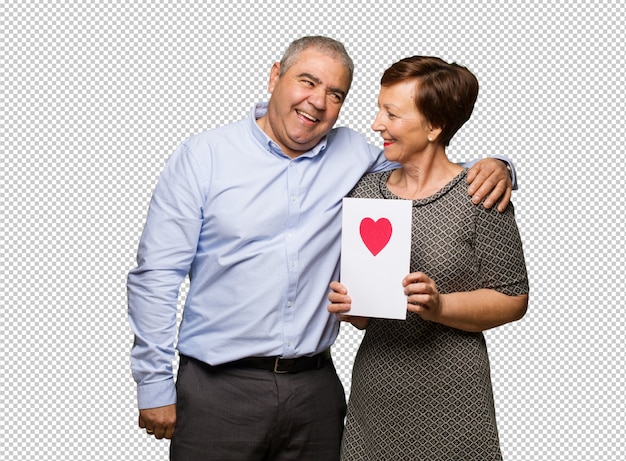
<point x="375" y="255"/>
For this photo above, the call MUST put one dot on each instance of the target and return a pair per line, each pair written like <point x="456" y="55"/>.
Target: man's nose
<point x="318" y="99"/>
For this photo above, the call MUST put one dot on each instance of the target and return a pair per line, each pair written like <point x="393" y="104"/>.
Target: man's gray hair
<point x="326" y="45"/>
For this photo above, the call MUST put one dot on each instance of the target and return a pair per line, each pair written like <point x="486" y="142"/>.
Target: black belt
<point x="280" y="365"/>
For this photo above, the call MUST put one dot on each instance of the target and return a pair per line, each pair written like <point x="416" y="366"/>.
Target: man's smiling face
<point x="305" y="101"/>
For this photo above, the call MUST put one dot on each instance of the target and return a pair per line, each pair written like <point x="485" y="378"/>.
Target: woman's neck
<point x="423" y="177"/>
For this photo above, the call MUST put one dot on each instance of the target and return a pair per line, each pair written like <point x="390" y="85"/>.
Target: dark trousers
<point x="249" y="414"/>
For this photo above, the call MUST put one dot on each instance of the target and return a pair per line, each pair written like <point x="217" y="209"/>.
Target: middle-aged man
<point x="251" y="212"/>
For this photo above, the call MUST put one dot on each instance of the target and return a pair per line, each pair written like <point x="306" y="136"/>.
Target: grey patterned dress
<point x="421" y="390"/>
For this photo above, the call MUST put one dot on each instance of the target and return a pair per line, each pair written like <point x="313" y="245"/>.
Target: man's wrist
<point x="157" y="394"/>
<point x="508" y="167"/>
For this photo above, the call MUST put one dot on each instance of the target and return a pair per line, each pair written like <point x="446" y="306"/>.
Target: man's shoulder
<point x="217" y="136"/>
<point x="349" y="141"/>
<point x="345" y="132"/>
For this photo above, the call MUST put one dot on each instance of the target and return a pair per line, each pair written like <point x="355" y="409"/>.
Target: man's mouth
<point x="307" y="116"/>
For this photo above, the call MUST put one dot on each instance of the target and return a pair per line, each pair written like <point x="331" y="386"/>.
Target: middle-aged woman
<point x="421" y="388"/>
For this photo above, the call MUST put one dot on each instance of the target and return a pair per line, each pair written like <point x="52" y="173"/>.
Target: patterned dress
<point x="421" y="390"/>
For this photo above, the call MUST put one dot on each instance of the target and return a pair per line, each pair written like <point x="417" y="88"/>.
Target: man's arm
<point x="493" y="180"/>
<point x="493" y="177"/>
<point x="166" y="250"/>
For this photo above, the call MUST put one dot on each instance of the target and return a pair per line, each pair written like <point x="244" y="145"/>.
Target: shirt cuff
<point x="157" y="394"/>
<point x="509" y="162"/>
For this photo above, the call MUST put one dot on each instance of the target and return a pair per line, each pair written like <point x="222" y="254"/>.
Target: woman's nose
<point x="376" y="125"/>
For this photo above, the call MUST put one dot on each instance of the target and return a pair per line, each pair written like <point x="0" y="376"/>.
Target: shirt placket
<point x="294" y="209"/>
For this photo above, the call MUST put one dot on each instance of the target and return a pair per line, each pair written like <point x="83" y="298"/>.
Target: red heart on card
<point x="375" y="234"/>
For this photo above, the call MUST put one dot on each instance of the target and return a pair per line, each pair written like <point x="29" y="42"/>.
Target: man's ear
<point x="274" y="76"/>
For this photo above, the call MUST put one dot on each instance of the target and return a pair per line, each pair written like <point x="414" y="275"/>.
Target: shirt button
<point x="293" y="198"/>
<point x="289" y="304"/>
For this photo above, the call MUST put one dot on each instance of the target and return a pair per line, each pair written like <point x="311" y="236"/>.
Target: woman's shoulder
<point x="369" y="186"/>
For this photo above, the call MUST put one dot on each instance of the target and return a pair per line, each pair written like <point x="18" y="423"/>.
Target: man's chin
<point x="304" y="145"/>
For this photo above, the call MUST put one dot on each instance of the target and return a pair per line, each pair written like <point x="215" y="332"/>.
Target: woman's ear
<point x="434" y="133"/>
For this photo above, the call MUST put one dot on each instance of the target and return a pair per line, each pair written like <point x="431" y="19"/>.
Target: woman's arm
<point x="472" y="311"/>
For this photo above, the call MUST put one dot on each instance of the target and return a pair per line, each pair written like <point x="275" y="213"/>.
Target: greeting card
<point x="375" y="255"/>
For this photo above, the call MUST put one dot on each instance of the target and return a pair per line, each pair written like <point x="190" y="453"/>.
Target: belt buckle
<point x="276" y="363"/>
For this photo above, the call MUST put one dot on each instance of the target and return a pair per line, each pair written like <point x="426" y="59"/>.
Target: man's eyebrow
<point x="310" y="77"/>
<point x="343" y="93"/>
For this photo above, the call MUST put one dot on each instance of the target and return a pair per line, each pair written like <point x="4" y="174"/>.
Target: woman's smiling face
<point x="404" y="130"/>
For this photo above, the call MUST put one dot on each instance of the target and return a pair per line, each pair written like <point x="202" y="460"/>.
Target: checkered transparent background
<point x="94" y="96"/>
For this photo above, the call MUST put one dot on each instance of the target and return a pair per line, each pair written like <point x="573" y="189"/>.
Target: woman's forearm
<point x="480" y="310"/>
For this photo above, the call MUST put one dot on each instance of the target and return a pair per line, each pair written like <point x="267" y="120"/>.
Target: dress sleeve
<point x="499" y="251"/>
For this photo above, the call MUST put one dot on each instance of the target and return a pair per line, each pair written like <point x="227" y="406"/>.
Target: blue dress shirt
<point x="259" y="235"/>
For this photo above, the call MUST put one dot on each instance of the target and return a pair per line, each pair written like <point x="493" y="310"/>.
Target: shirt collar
<point x="258" y="111"/>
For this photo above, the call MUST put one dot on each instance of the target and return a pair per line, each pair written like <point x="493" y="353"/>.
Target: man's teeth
<point x="304" y="114"/>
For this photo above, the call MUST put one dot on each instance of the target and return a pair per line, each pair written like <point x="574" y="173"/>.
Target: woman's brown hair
<point x="445" y="93"/>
